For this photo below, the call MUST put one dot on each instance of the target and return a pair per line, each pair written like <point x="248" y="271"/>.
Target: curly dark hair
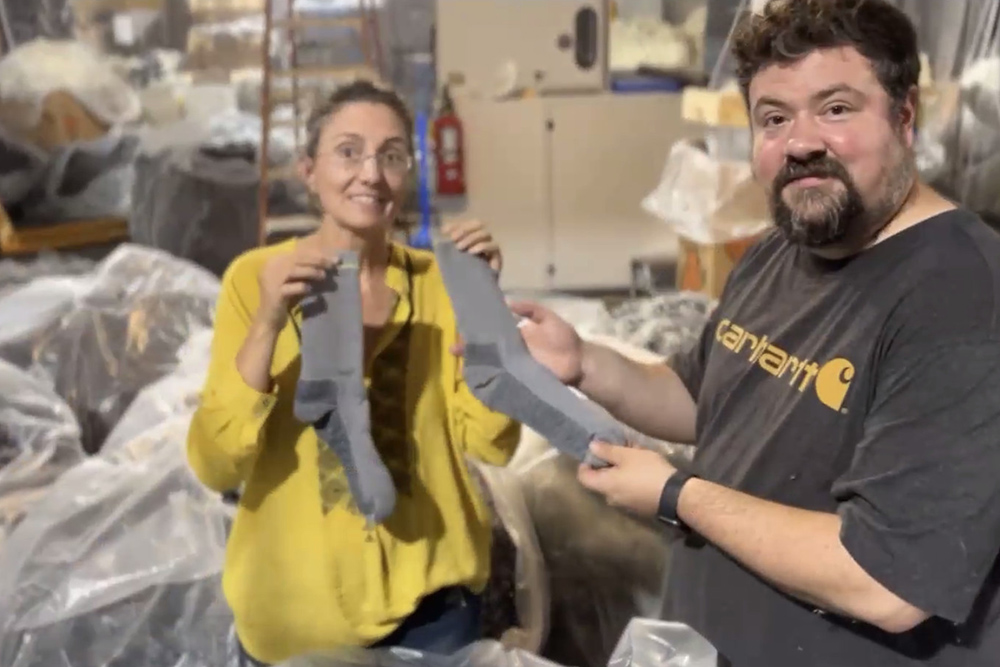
<point x="788" y="30"/>
<point x="361" y="90"/>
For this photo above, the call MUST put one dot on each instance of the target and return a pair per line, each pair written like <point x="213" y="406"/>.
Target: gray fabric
<point x="331" y="391"/>
<point x="500" y="370"/>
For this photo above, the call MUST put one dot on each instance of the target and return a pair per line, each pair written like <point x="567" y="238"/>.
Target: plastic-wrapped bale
<point x="124" y="334"/>
<point x="28" y="311"/>
<point x="119" y="565"/>
<point x="606" y="567"/>
<point x="197" y="202"/>
<point x="39" y="440"/>
<point x="644" y="643"/>
<point x="174" y="395"/>
<point x="34" y="296"/>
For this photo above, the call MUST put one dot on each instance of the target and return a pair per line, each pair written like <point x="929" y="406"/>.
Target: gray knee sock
<point x="331" y="394"/>
<point x="500" y="370"/>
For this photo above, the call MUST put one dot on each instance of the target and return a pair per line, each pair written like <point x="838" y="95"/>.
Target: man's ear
<point x="909" y="115"/>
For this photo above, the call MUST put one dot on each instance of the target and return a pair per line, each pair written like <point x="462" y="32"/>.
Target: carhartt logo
<point x="831" y="380"/>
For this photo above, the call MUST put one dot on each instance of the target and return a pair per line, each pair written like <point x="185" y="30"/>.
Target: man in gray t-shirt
<point x="843" y="506"/>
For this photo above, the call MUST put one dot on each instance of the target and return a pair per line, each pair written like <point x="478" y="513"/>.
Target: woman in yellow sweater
<point x="304" y="573"/>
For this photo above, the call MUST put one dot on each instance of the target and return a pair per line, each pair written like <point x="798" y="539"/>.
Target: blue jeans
<point x="444" y="622"/>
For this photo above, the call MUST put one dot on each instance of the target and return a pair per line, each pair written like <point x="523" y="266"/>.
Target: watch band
<point x="667" y="511"/>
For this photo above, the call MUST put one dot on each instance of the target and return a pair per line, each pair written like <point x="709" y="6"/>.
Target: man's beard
<point x="842" y="219"/>
<point x="818" y="217"/>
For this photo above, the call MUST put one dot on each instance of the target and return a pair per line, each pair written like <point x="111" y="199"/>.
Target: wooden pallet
<point x="31" y="240"/>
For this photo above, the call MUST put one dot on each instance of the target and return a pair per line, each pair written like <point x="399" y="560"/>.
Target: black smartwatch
<point x="667" y="511"/>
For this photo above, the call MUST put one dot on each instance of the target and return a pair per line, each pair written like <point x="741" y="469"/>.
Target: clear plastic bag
<point x="30" y="310"/>
<point x="34" y="296"/>
<point x="516" y="600"/>
<point x="119" y="565"/>
<point x="959" y="145"/>
<point x="644" y="643"/>
<point x="650" y="643"/>
<point x="707" y="199"/>
<point x="480" y="654"/>
<point x="39" y="440"/>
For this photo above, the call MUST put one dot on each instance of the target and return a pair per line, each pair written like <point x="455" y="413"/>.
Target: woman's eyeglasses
<point x="392" y="161"/>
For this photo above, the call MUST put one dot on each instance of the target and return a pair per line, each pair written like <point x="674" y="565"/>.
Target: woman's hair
<point x="788" y="30"/>
<point x="358" y="91"/>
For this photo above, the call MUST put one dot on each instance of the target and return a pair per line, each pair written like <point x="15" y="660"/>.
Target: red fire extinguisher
<point x="448" y="148"/>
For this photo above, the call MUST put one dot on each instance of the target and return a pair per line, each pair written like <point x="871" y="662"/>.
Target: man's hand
<point x="473" y="237"/>
<point x="552" y="341"/>
<point x="634" y="481"/>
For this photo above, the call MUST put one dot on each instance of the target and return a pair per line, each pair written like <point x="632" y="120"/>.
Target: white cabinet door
<point x="608" y="153"/>
<point x="507" y="180"/>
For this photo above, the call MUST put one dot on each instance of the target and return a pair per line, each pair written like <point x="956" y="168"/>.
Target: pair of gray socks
<point x="331" y="393"/>
<point x="500" y="370"/>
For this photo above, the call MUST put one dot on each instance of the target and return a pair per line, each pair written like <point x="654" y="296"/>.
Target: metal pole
<point x="265" y="117"/>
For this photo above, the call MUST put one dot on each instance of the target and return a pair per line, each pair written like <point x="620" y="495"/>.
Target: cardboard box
<point x="705" y="267"/>
<point x="63" y="120"/>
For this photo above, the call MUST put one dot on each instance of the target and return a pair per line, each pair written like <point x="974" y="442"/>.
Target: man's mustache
<point x="819" y="168"/>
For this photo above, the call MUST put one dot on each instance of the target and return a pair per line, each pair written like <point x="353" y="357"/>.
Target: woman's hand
<point x="473" y="237"/>
<point x="286" y="278"/>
